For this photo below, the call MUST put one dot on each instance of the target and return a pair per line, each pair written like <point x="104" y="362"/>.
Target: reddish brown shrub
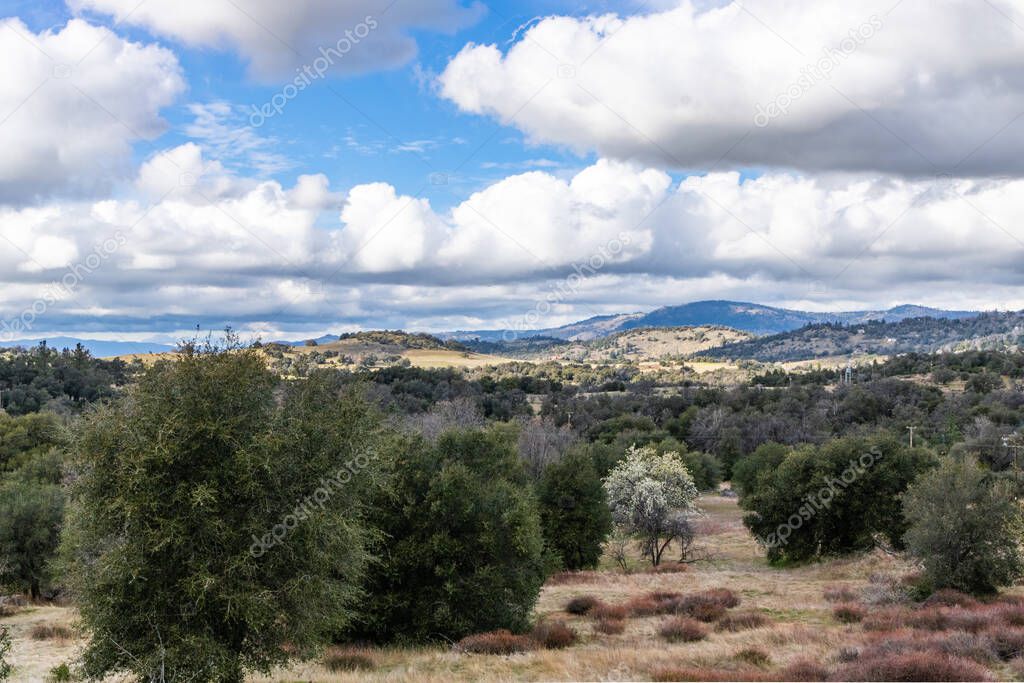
<point x="955" y="643"/>
<point x="958" y="619"/>
<point x="581" y="604"/>
<point x="839" y="594"/>
<point x="740" y="621"/>
<point x="700" y="606"/>
<point x="891" y="619"/>
<point x="1007" y="642"/>
<point x="918" y="666"/>
<point x="610" y="627"/>
<point x="682" y="630"/>
<point x="754" y="656"/>
<point x="664" y="596"/>
<point x="554" y="635"/>
<point x="348" y="659"/>
<point x="849" y="613"/>
<point x="723" y="596"/>
<point x="644" y="607"/>
<point x="1009" y="614"/>
<point x="501" y="642"/>
<point x="805" y="670"/>
<point x="606" y="611"/>
<point x="947" y="597"/>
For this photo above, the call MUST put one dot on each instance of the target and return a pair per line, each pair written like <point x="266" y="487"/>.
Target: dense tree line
<point x="31" y="379"/>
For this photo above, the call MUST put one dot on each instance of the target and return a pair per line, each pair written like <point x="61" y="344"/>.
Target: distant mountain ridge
<point x="744" y="316"/>
<point x="97" y="347"/>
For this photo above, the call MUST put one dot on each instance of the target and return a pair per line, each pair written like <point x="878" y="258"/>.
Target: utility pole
<point x="911" y="428"/>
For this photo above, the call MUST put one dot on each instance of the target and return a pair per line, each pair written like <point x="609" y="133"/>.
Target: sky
<point x="317" y="166"/>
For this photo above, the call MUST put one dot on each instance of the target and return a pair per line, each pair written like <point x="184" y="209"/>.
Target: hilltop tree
<point x="213" y="523"/>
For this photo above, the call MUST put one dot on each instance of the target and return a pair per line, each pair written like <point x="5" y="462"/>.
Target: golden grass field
<point x="801" y="624"/>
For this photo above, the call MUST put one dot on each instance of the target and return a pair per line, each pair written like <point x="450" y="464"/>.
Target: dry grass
<point x="349" y="659"/>
<point x="51" y="632"/>
<point x="683" y="630"/>
<point x="783" y="613"/>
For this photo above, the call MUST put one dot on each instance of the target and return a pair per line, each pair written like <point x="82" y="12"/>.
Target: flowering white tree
<point x="646" y="492"/>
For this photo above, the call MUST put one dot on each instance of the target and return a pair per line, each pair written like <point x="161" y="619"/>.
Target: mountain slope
<point x="739" y="315"/>
<point x="1004" y="331"/>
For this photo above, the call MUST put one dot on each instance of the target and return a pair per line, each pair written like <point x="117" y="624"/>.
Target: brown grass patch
<point x="754" y="656"/>
<point x="919" y="666"/>
<point x="339" y="658"/>
<point x="51" y="632"/>
<point x="849" y="613"/>
<point x="611" y="627"/>
<point x="668" y="568"/>
<point x="947" y="597"/>
<point x="741" y="621"/>
<point x="606" y="611"/>
<point x="682" y="630"/>
<point x="554" y="635"/>
<point x="839" y="594"/>
<point x="500" y="642"/>
<point x="805" y="670"/>
<point x="586" y="576"/>
<point x="702" y="673"/>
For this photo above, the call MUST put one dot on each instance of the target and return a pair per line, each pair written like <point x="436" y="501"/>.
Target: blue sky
<point x="503" y="164"/>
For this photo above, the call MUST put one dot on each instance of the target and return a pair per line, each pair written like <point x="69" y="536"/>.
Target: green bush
<point x="216" y="518"/>
<point x="462" y="549"/>
<point x="965" y="527"/>
<point x="834" y="498"/>
<point x="30" y="516"/>
<point x="574" y="511"/>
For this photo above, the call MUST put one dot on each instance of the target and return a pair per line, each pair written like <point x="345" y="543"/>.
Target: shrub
<point x="51" y="632"/>
<point x="606" y="611"/>
<point x="740" y="621"/>
<point x="348" y="659"/>
<point x="849" y="613"/>
<point x="574" y="510"/>
<point x="859" y="478"/>
<point x="883" y="589"/>
<point x="645" y="607"/>
<point x="170" y="543"/>
<point x="682" y="630"/>
<point x="475" y="563"/>
<point x="723" y="596"/>
<point x="554" y="635"/>
<point x="1008" y="642"/>
<point x="1009" y="614"/>
<point x="610" y="626"/>
<point x="805" y="670"/>
<point x="947" y="597"/>
<point x="60" y="674"/>
<point x="704" y="606"/>
<point x="964" y="527"/>
<point x="754" y="656"/>
<point x="839" y="594"/>
<point x="500" y="642"/>
<point x="918" y="666"/>
<point x="581" y="604"/>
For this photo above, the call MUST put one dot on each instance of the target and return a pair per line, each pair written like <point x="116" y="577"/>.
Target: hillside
<point x="747" y="317"/>
<point x="999" y="331"/>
